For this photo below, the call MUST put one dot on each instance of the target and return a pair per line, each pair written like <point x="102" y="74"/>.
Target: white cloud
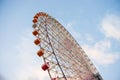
<point x="100" y="53"/>
<point x="111" y="26"/>
<point x="89" y="37"/>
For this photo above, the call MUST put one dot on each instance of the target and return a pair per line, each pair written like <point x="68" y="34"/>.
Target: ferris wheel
<point x="63" y="57"/>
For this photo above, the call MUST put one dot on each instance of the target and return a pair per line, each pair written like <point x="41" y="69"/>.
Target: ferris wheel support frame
<point x="55" y="57"/>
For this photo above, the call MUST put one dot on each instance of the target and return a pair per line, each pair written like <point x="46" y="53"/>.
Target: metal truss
<point x="67" y="60"/>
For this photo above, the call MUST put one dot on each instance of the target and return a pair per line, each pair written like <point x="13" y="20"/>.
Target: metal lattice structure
<point x="64" y="57"/>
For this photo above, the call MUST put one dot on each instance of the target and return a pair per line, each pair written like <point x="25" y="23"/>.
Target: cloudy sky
<point x="95" y="24"/>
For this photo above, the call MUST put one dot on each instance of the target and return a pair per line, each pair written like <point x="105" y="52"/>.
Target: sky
<point x="95" y="24"/>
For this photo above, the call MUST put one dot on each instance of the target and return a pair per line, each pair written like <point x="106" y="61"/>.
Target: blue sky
<point x="95" y="24"/>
